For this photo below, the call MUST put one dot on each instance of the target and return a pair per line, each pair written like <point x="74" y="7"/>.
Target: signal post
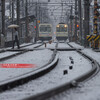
<point x="96" y="34"/>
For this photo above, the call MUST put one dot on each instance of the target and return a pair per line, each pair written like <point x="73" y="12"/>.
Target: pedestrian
<point x="16" y="39"/>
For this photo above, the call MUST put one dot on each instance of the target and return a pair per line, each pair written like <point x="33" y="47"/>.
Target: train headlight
<point x="65" y="25"/>
<point x="57" y="25"/>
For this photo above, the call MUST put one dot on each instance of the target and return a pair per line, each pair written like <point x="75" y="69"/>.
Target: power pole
<point x="36" y="35"/>
<point x="75" y="34"/>
<point x="26" y="21"/>
<point x="39" y="12"/>
<point x="86" y="21"/>
<point x="0" y="24"/>
<point x="3" y="16"/>
<point x="12" y="16"/>
<point x="18" y="16"/>
<point x="71" y="23"/>
<point x="10" y="7"/>
<point x="41" y="16"/>
<point x="80" y="20"/>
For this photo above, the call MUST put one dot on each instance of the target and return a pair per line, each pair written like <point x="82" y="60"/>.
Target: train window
<point x="49" y="29"/>
<point x="61" y="28"/>
<point x="65" y="29"/>
<point x="42" y="28"/>
<point x="45" y="28"/>
<point x="58" y="29"/>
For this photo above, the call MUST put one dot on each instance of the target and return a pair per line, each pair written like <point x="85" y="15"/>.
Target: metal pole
<point x="75" y="21"/>
<point x="26" y="22"/>
<point x="86" y="21"/>
<point x="23" y="14"/>
<point x="3" y="16"/>
<point x="0" y="24"/>
<point x="71" y="22"/>
<point x="41" y="16"/>
<point x="95" y="22"/>
<point x="39" y="12"/>
<point x="80" y="19"/>
<point x="36" y="25"/>
<point x="10" y="3"/>
<point x="12" y="16"/>
<point x="18" y="16"/>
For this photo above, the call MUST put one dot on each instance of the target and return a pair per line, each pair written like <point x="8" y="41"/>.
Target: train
<point x="45" y="31"/>
<point x="62" y="31"/>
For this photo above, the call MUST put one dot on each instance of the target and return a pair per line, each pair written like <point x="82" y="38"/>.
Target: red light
<point x="77" y="25"/>
<point x="34" y="26"/>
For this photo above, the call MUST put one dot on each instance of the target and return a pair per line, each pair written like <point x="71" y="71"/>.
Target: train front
<point x="45" y="32"/>
<point x="62" y="31"/>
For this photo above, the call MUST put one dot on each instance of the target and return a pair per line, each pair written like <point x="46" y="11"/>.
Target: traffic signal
<point x="77" y="27"/>
<point x="35" y="28"/>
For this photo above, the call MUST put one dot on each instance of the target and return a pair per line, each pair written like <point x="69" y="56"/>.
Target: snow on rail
<point x="39" y="58"/>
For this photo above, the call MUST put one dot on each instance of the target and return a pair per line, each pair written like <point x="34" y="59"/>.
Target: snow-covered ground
<point x="52" y="79"/>
<point x="31" y="46"/>
<point x="24" y="44"/>
<point x="8" y="53"/>
<point x="48" y="46"/>
<point x="63" y="45"/>
<point x="39" y="58"/>
<point x="89" y="90"/>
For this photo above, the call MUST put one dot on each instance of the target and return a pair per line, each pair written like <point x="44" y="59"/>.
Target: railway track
<point x="13" y="82"/>
<point x="18" y="51"/>
<point x="4" y="50"/>
<point x="73" y="83"/>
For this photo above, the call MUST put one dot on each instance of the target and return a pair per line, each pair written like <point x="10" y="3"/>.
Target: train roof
<point x="45" y="24"/>
<point x="61" y="23"/>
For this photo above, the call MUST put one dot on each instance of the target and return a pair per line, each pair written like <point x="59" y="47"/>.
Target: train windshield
<point x="62" y="28"/>
<point x="45" y="28"/>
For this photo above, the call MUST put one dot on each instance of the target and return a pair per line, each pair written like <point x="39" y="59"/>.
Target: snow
<point x="53" y="78"/>
<point x="76" y="45"/>
<point x="8" y="53"/>
<point x="63" y="45"/>
<point x="48" y="46"/>
<point x="89" y="90"/>
<point x="39" y="58"/>
<point x="31" y="46"/>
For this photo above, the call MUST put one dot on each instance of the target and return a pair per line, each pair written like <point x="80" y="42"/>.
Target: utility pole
<point x="71" y="23"/>
<point x="3" y="16"/>
<point x="23" y="13"/>
<point x="80" y="20"/>
<point x="12" y="16"/>
<point x="26" y="21"/>
<point x="71" y="26"/>
<point x="18" y="16"/>
<point x="86" y="21"/>
<point x="36" y="35"/>
<point x="10" y="7"/>
<point x="41" y="15"/>
<point x="75" y="34"/>
<point x="0" y="24"/>
<point x="39" y="12"/>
